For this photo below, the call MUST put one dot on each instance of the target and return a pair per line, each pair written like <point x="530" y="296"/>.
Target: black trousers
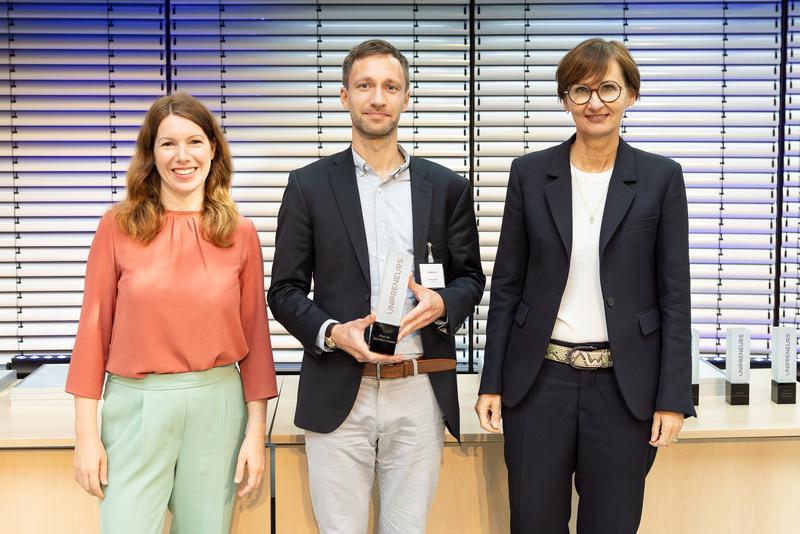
<point x="575" y="422"/>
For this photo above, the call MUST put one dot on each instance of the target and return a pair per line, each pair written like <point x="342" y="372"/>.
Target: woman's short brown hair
<point x="590" y="60"/>
<point x="140" y="215"/>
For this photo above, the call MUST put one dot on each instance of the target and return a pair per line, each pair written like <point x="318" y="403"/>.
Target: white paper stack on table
<point x="6" y="378"/>
<point x="43" y="387"/>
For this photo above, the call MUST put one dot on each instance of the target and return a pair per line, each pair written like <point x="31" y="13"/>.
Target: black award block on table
<point x="737" y="394"/>
<point x="784" y="393"/>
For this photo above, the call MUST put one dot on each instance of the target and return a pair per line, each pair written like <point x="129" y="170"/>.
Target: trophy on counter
<point x="784" y="365"/>
<point x="737" y="367"/>
<point x="695" y="367"/>
<point x="392" y="300"/>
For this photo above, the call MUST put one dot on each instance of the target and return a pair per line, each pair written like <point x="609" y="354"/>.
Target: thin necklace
<point x="593" y="212"/>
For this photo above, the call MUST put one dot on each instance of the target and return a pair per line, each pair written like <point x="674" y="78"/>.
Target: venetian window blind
<point x="80" y="76"/>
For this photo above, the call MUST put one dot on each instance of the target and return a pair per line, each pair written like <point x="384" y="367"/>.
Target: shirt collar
<point x="362" y="167"/>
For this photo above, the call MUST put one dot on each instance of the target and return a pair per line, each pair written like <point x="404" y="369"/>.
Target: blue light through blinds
<point x="710" y="74"/>
<point x="80" y="75"/>
<point x="724" y="79"/>
<point x="272" y="73"/>
<point x="790" y="281"/>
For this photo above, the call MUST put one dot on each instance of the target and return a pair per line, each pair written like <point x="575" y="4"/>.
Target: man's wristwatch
<point x="329" y="344"/>
<point x="442" y="325"/>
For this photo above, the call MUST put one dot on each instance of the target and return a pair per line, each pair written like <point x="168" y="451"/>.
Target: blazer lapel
<point x="345" y="190"/>
<point x="619" y="196"/>
<point x="559" y="193"/>
<point x="421" y="194"/>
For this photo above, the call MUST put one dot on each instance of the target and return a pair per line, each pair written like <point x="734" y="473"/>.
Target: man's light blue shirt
<point x="387" y="212"/>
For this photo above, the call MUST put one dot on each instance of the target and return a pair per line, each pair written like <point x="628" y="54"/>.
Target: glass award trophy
<point x="784" y="365"/>
<point x="737" y="367"/>
<point x="392" y="300"/>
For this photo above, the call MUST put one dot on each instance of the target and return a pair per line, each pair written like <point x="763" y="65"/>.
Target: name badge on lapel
<point x="431" y="274"/>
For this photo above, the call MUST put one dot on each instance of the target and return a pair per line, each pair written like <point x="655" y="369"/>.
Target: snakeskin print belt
<point x="580" y="356"/>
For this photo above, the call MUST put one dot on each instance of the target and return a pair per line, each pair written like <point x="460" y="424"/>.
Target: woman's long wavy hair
<point x="141" y="214"/>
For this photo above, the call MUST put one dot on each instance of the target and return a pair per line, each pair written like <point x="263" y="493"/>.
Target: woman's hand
<point x="89" y="463"/>
<point x="666" y="427"/>
<point x="252" y="452"/>
<point x="252" y="461"/>
<point x="488" y="409"/>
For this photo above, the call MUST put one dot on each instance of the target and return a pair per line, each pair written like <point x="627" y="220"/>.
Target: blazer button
<point x="366" y="297"/>
<point x="610" y="302"/>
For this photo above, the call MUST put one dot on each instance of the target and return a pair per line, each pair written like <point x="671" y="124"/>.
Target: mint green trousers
<point x="172" y="442"/>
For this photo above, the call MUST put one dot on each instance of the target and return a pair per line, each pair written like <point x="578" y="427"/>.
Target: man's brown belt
<point x="409" y="368"/>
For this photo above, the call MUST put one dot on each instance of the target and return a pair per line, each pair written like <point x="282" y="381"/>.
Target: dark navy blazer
<point x="644" y="274"/>
<point x="321" y="237"/>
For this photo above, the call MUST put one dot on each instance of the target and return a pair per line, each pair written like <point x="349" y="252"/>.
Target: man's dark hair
<point x="373" y="47"/>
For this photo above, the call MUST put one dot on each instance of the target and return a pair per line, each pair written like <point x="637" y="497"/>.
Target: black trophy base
<point x="695" y="394"/>
<point x="784" y="392"/>
<point x="383" y="338"/>
<point x="737" y="394"/>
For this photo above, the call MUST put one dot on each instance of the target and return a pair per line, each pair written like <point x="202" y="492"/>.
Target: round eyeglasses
<point x="608" y="91"/>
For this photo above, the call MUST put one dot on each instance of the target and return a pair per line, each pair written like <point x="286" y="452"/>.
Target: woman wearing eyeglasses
<point x="588" y="340"/>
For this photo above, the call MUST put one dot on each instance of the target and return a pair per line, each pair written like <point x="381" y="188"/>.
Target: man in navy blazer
<point x="369" y="415"/>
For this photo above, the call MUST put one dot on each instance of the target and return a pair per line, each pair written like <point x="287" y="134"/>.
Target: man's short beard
<point x="372" y="135"/>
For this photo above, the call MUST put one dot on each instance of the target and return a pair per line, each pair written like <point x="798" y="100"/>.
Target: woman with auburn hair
<point x="174" y="312"/>
<point x="588" y="338"/>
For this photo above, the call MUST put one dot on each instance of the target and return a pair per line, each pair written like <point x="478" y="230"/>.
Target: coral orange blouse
<point x="175" y="305"/>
